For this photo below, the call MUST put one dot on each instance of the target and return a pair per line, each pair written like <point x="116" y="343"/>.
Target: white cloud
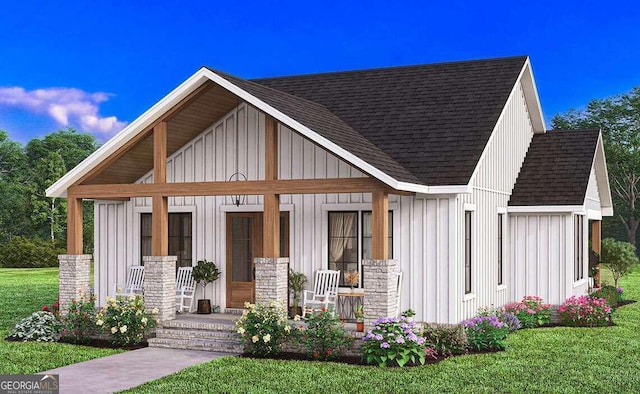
<point x="67" y="106"/>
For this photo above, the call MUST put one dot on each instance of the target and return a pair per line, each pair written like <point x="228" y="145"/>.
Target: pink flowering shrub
<point x="585" y="311"/>
<point x="531" y="311"/>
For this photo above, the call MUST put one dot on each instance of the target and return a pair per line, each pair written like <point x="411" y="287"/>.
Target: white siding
<point x="543" y="256"/>
<point x="492" y="185"/>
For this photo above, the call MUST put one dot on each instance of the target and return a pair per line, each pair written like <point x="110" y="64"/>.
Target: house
<point x="442" y="171"/>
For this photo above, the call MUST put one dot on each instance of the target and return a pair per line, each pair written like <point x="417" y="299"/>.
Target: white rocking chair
<point x="324" y="293"/>
<point x="134" y="284"/>
<point x="185" y="289"/>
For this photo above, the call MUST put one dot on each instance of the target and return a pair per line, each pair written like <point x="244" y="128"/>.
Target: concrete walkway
<point x="126" y="370"/>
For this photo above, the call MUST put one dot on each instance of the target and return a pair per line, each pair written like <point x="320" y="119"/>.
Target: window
<point x="500" y="248"/>
<point x="467" y="252"/>
<point x="350" y="241"/>
<point x="180" y="239"/>
<point x="579" y="248"/>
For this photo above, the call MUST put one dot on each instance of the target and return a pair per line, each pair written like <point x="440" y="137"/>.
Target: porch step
<point x="198" y="344"/>
<point x="222" y="335"/>
<point x="209" y="333"/>
<point x="234" y="311"/>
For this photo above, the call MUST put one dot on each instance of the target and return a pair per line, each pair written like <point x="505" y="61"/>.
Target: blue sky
<point x="98" y="65"/>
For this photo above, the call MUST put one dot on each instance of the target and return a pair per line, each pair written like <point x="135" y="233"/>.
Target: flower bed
<point x="585" y="311"/>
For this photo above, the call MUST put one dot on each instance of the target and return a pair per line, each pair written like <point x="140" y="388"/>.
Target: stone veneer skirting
<point x="74" y="278"/>
<point x="272" y="279"/>
<point x="380" y="281"/>
<point x="160" y="286"/>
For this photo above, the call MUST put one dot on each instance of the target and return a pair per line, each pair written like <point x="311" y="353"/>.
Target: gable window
<point x="180" y="238"/>
<point x="350" y="241"/>
<point x="500" y="248"/>
<point x="467" y="252"/>
<point x="579" y="247"/>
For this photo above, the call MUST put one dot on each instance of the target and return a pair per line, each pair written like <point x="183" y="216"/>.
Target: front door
<point x="244" y="243"/>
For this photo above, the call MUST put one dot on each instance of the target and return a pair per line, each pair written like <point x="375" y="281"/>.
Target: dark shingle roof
<point x="556" y="169"/>
<point x="433" y="120"/>
<point x="318" y="118"/>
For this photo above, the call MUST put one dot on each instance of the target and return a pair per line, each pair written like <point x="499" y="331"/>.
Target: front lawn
<point x="559" y="360"/>
<point x="22" y="292"/>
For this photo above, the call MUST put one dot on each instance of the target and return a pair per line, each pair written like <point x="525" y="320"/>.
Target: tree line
<point x="26" y="172"/>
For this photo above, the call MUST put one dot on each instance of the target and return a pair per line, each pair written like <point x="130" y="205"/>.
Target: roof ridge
<point x="387" y="68"/>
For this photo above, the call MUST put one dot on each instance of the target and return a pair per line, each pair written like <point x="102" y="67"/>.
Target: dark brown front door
<point x="244" y="243"/>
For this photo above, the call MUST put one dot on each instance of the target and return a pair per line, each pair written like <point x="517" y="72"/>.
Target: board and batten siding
<point x="592" y="201"/>
<point x="544" y="256"/>
<point x="492" y="185"/>
<point x="422" y="227"/>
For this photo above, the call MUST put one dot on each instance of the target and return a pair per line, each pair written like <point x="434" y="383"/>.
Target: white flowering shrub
<point x="263" y="328"/>
<point x="41" y="326"/>
<point x="125" y="320"/>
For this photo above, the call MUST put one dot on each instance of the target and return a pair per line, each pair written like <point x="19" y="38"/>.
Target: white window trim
<point x="469" y="208"/>
<point x="505" y="233"/>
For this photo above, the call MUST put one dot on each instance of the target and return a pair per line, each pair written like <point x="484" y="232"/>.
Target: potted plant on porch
<point x="359" y="319"/>
<point x="297" y="280"/>
<point x="204" y="273"/>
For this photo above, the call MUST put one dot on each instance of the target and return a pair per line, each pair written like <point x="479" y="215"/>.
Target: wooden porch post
<point x="380" y="226"/>
<point x="271" y="219"/>
<point x="74" y="225"/>
<point x="596" y="245"/>
<point x="160" y="207"/>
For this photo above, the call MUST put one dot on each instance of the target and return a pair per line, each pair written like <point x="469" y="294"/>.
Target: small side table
<point x="348" y="304"/>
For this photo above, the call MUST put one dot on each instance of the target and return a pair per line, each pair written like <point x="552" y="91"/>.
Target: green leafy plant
<point x="613" y="295"/>
<point x="394" y="341"/>
<point x="531" y="311"/>
<point x="41" y="326"/>
<point x="408" y="313"/>
<point x="297" y="281"/>
<point x="585" y="311"/>
<point x="324" y="338"/>
<point x="619" y="256"/>
<point x="486" y="332"/>
<point x="263" y="328"/>
<point x="359" y="314"/>
<point x="205" y="272"/>
<point x="446" y="339"/>
<point x="79" y="323"/>
<point x="125" y="321"/>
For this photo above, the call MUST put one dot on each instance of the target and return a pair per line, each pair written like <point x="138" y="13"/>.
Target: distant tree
<point x="14" y="217"/>
<point x="619" y="256"/>
<point x="72" y="146"/>
<point x="47" y="212"/>
<point x="619" y="119"/>
<point x="13" y="160"/>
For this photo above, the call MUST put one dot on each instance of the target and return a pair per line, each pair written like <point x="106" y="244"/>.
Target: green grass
<point x="22" y="292"/>
<point x="559" y="360"/>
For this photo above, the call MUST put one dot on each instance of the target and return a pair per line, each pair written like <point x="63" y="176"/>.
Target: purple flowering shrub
<point x="394" y="341"/>
<point x="510" y="320"/>
<point x="585" y="311"/>
<point x="486" y="332"/>
<point x="446" y="339"/>
<point x="531" y="311"/>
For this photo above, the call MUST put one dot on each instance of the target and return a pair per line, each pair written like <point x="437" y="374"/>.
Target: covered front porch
<point x="271" y="265"/>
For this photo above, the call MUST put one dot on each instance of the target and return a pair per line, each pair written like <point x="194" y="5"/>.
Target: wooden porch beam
<point x="596" y="244"/>
<point x="160" y="206"/>
<point x="271" y="219"/>
<point x="144" y="134"/>
<point x="224" y="188"/>
<point x="74" y="226"/>
<point x="380" y="226"/>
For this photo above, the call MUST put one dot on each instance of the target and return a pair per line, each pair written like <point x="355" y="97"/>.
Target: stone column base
<point x="380" y="281"/>
<point x="74" y="278"/>
<point x="272" y="280"/>
<point x="160" y="286"/>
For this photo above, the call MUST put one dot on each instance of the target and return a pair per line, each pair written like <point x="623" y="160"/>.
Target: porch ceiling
<point x="132" y="162"/>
